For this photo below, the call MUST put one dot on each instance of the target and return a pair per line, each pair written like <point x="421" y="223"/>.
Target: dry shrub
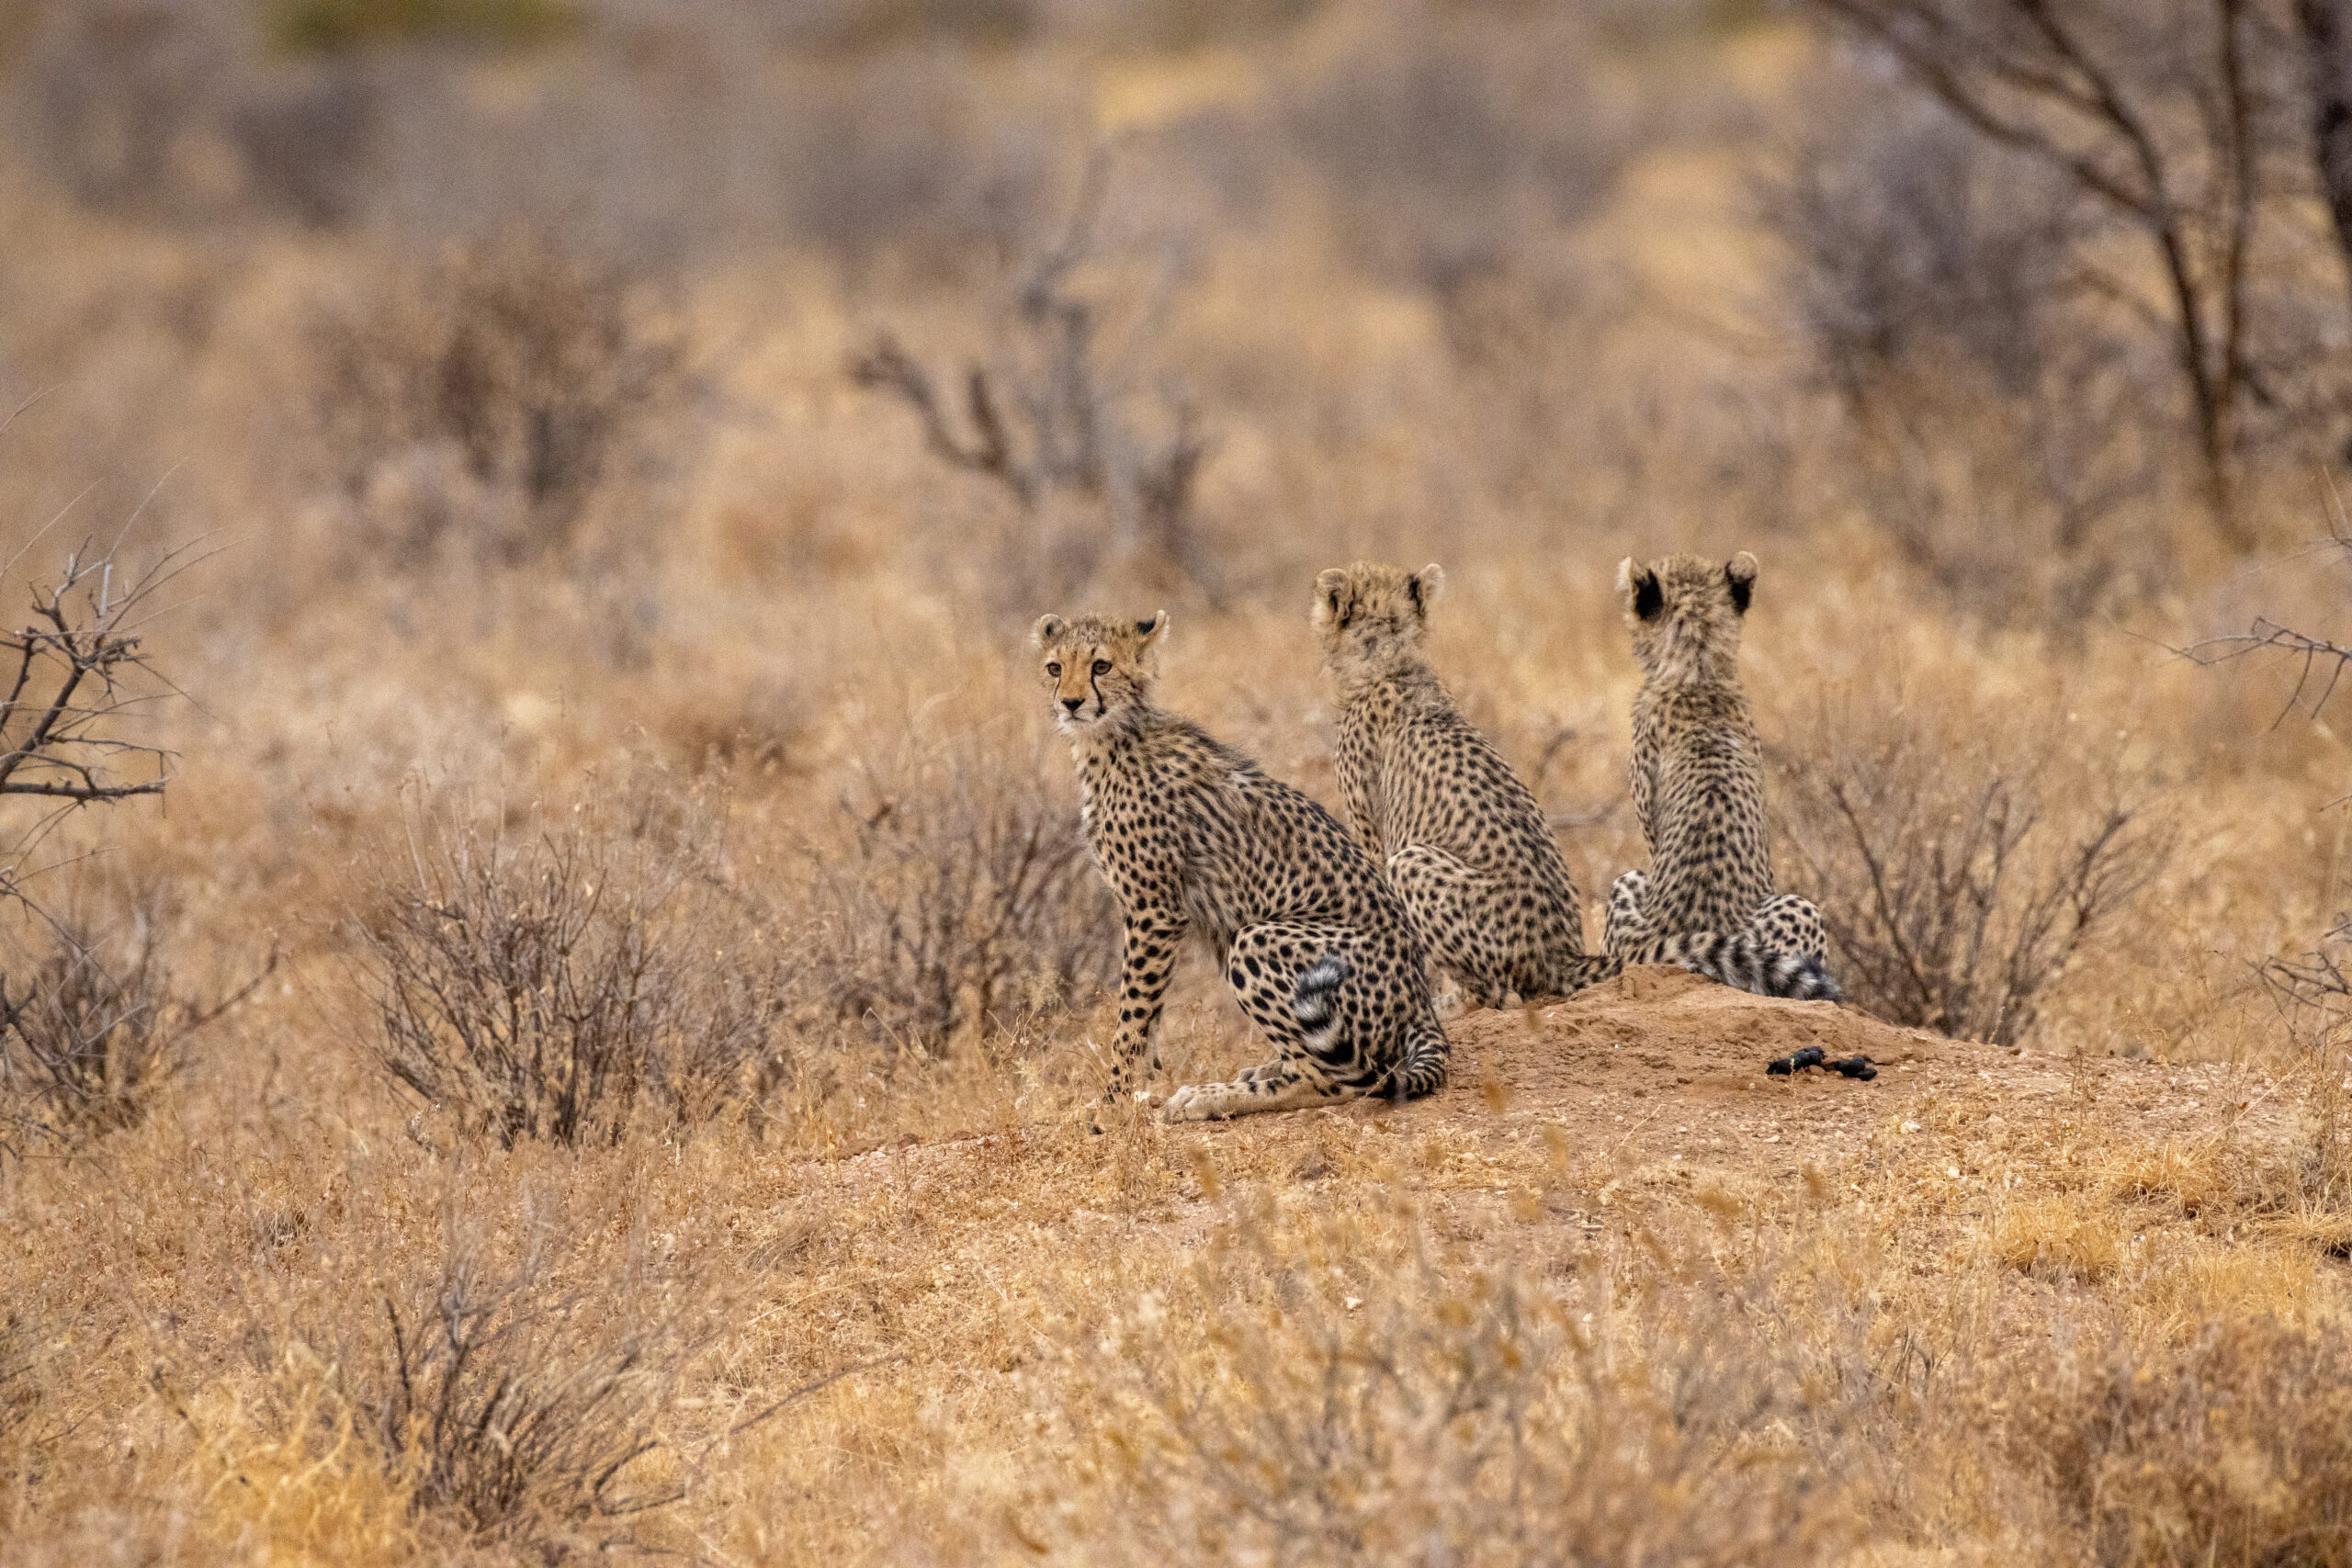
<point x="508" y="1419"/>
<point x="477" y="405"/>
<point x="509" y="1386"/>
<point x="1937" y="290"/>
<point x="19" y="1390"/>
<point x="564" y="986"/>
<point x="956" y="892"/>
<point x="157" y="107"/>
<point x="1960" y="866"/>
<point x="2233" y="1451"/>
<point x="96" y="1033"/>
<point x="1352" y="1404"/>
<point x="901" y="159"/>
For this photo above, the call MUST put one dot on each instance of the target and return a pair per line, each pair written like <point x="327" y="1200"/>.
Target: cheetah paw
<point x="1194" y="1102"/>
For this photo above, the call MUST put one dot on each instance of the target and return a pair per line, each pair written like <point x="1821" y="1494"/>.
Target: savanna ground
<point x="594" y="1050"/>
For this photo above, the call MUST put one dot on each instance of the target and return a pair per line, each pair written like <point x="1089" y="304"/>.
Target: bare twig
<point x="1056" y="416"/>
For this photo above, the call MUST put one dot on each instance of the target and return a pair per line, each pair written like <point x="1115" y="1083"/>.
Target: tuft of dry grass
<point x="2058" y="1238"/>
<point x="2235" y="1448"/>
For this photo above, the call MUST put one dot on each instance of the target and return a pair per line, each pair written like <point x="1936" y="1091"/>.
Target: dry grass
<point x="620" y="723"/>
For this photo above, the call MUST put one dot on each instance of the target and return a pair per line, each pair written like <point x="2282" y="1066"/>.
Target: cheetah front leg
<point x="1277" y="1086"/>
<point x="1153" y="938"/>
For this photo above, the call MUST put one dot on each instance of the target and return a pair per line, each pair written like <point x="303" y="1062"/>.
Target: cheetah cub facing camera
<point x="1194" y="839"/>
<point x="1462" y="838"/>
<point x="1698" y="777"/>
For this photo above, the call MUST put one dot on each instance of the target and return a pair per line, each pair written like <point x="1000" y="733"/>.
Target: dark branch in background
<point x="2327" y="41"/>
<point x="2023" y="74"/>
<point x="1053" y="420"/>
<point x="93" y="1026"/>
<point x="2316" y="657"/>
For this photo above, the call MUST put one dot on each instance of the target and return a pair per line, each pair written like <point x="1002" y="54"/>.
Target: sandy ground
<point x="1566" y="1128"/>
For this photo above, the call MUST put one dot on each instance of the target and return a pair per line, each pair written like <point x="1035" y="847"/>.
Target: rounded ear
<point x="1428" y="585"/>
<point x="1740" y="572"/>
<point x="1152" y="631"/>
<point x="1048" y="628"/>
<point x="1329" y="584"/>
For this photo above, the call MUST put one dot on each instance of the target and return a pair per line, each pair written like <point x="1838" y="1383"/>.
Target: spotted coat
<point x="1698" y="782"/>
<point x="1461" y="836"/>
<point x="1196" y="840"/>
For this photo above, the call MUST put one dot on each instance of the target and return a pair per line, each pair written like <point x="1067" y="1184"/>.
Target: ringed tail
<point x="1315" y="1003"/>
<point x="1742" y="962"/>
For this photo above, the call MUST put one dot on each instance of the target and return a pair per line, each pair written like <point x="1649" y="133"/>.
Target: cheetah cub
<point x="1698" y="777"/>
<point x="1193" y="837"/>
<point x="1463" y="839"/>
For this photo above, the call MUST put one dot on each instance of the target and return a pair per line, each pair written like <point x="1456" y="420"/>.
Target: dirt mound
<point x="1667" y="1026"/>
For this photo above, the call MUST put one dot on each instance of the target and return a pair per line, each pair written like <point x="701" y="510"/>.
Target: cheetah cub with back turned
<point x="1195" y="838"/>
<point x="1462" y="837"/>
<point x="1698" y="779"/>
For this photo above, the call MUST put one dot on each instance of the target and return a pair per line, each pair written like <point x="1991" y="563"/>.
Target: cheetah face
<point x="1370" y="614"/>
<point x="1094" y="669"/>
<point x="1681" y="608"/>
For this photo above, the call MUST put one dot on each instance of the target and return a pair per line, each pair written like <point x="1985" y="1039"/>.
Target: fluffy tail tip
<point x="1315" y="1001"/>
<point x="1803" y="977"/>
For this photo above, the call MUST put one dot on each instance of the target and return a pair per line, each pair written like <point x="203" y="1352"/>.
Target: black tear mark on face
<point x="1741" y="589"/>
<point x="1648" y="598"/>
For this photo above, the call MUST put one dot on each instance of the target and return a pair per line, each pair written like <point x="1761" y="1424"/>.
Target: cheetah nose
<point x="1073" y="703"/>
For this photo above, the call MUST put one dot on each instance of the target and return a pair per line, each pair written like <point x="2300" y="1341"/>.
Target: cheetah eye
<point x="1054" y="669"/>
<point x="1102" y="667"/>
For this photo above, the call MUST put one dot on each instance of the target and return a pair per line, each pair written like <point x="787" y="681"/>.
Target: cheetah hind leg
<point x="1287" y="979"/>
<point x="1449" y="903"/>
<point x="1787" y="923"/>
<point x="1627" y="928"/>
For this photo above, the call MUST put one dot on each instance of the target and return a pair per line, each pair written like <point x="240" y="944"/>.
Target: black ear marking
<point x="1144" y="627"/>
<point x="1648" y="598"/>
<point x="1742" y="589"/>
<point x="1413" y="587"/>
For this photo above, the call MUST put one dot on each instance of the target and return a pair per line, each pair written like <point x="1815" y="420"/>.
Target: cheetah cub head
<point x="1098" y="669"/>
<point x="1685" y="612"/>
<point x="1371" y="616"/>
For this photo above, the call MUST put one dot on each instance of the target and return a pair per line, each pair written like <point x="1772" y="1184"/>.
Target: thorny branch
<point x="68" y="671"/>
